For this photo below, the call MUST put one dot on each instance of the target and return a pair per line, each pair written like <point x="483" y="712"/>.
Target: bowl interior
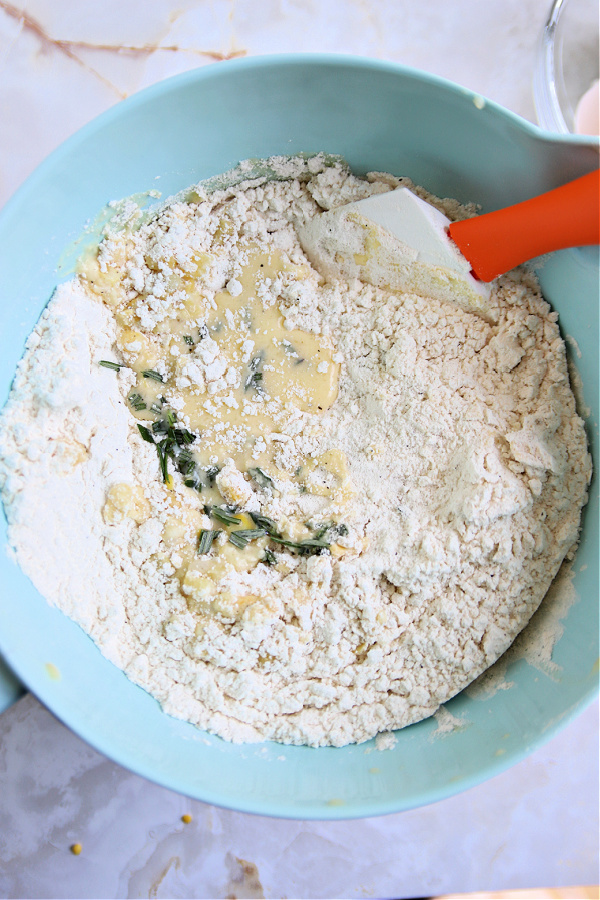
<point x="379" y="116"/>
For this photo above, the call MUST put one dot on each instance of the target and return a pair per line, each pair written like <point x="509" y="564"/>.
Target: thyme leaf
<point x="269" y="558"/>
<point x="205" y="540"/>
<point x="304" y="548"/>
<point x="243" y="537"/>
<point x="163" y="459"/>
<point x="137" y="402"/>
<point x="265" y="523"/>
<point x="261" y="478"/>
<point x="211" y="474"/>
<point x="254" y="382"/>
<point x="145" y="433"/>
<point x="155" y="376"/>
<point x="112" y="365"/>
<point x="254" y="379"/>
<point x="224" y="515"/>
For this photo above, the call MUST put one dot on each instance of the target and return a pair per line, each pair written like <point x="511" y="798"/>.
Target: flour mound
<point x="468" y="462"/>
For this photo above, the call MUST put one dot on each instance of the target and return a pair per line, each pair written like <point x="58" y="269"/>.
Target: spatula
<point x="399" y="241"/>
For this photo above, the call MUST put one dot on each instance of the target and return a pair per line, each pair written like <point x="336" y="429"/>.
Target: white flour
<point x="467" y="457"/>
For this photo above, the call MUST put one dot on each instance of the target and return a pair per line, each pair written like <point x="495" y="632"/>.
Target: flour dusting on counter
<point x="314" y="510"/>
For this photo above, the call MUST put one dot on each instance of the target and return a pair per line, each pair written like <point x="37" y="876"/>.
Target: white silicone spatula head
<point x="398" y="241"/>
<point x="394" y="240"/>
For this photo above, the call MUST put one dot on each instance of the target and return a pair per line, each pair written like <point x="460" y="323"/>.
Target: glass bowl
<point x="567" y="63"/>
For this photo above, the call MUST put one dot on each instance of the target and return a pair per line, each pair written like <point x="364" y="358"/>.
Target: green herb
<point x="243" y="537"/>
<point x="183" y="436"/>
<point x="313" y="544"/>
<point x="166" y="426"/>
<point x="189" y="339"/>
<point x="155" y="376"/>
<point x="137" y="401"/>
<point x="224" y="515"/>
<point x="184" y="461"/>
<point x="304" y="548"/>
<point x="291" y="351"/>
<point x="257" y="361"/>
<point x="112" y="365"/>
<point x="284" y="541"/>
<point x="211" y="474"/>
<point x="205" y="539"/>
<point x="260" y="477"/>
<point x="157" y="406"/>
<point x="324" y="535"/>
<point x="163" y="459"/>
<point x="264" y="522"/>
<point x="331" y="529"/>
<point x="145" y="433"/>
<point x="254" y="381"/>
<point x="170" y="442"/>
<point x="269" y="558"/>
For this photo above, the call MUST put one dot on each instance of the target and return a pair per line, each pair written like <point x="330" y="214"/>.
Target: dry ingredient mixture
<point x="289" y="509"/>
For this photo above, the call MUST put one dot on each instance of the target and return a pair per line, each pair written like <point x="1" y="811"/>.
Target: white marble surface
<point x="61" y="63"/>
<point x="532" y="826"/>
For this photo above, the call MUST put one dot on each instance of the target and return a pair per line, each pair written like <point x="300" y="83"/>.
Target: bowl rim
<point x="276" y="60"/>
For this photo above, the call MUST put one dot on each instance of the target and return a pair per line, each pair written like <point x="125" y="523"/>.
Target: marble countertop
<point x="62" y="62"/>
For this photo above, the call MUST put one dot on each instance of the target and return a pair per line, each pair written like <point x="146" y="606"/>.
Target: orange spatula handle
<point x="568" y="216"/>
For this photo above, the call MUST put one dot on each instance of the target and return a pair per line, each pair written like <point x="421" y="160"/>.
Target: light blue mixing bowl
<point x="379" y="116"/>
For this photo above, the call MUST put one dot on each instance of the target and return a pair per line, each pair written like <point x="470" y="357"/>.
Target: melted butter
<point x="327" y="475"/>
<point x="259" y="374"/>
<point x="296" y="367"/>
<point x="125" y="501"/>
<point x="235" y="376"/>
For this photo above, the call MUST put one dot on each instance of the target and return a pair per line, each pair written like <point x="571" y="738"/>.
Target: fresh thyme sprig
<point x="172" y="443"/>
